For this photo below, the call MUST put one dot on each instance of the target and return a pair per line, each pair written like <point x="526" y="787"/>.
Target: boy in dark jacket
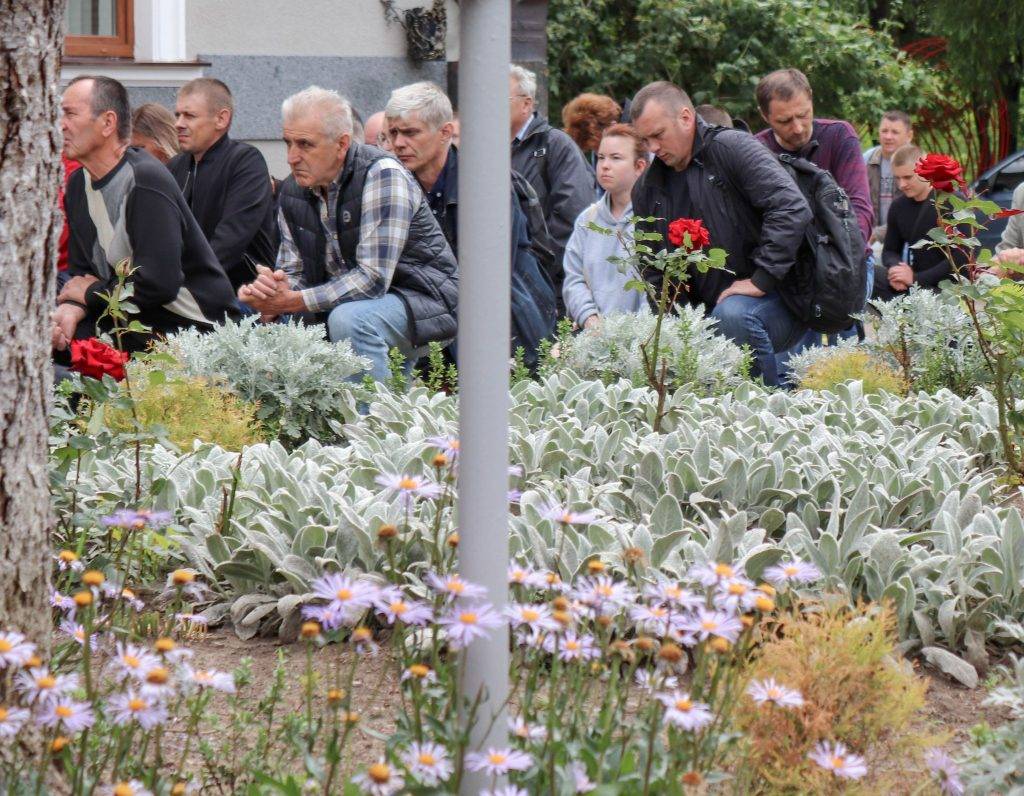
<point x="750" y="206"/>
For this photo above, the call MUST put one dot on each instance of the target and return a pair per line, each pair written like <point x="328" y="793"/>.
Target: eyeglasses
<point x="381" y="138"/>
<point x="519" y="96"/>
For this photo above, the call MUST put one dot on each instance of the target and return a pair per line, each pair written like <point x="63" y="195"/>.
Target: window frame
<point x="120" y="46"/>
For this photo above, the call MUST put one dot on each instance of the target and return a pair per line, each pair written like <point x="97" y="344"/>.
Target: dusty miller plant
<point x="300" y="380"/>
<point x="697" y="358"/>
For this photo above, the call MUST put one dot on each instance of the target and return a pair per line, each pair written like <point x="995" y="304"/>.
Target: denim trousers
<point x="374" y="327"/>
<point x="765" y="324"/>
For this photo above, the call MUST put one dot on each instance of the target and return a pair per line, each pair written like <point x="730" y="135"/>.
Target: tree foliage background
<point x="849" y="49"/>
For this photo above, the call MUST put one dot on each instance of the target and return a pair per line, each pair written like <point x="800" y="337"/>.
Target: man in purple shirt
<point x="786" y="102"/>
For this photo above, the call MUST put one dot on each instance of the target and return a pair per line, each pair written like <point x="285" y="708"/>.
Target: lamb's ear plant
<point x="689" y="239"/>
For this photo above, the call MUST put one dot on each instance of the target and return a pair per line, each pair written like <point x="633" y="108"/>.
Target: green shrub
<point x="300" y="380"/>
<point x="191" y="408"/>
<point x="993" y="760"/>
<point x="853" y="365"/>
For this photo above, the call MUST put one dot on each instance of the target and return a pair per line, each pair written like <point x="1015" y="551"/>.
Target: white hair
<point x="426" y="99"/>
<point x="525" y="79"/>
<point x="332" y="109"/>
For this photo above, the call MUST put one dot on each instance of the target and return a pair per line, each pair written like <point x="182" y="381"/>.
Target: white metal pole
<point x="483" y="345"/>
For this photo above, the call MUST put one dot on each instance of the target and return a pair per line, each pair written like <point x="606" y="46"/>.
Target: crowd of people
<point x="362" y="236"/>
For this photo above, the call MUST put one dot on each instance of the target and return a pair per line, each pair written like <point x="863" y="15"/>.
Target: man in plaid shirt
<point x="360" y="248"/>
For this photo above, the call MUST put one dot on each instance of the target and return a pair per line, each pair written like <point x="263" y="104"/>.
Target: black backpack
<point x="541" y="243"/>
<point x="828" y="282"/>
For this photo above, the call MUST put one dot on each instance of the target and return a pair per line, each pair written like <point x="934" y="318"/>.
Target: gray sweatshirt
<point x="593" y="285"/>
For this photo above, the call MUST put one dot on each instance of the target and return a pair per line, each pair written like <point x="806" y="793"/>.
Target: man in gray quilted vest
<point x="360" y="249"/>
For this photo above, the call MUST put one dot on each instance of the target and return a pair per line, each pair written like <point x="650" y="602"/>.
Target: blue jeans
<point x="765" y="324"/>
<point x="813" y="338"/>
<point x="374" y="327"/>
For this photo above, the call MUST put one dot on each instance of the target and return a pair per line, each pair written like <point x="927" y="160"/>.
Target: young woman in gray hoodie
<point x="593" y="285"/>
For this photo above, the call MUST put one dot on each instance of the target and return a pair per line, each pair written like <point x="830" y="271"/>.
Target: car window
<point x="1010" y="176"/>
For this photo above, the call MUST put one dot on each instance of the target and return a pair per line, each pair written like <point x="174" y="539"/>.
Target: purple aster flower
<point x="762" y="691"/>
<point x="212" y="679"/>
<point x="468" y="622"/>
<point x="394" y="606"/>
<point x="64" y="603"/>
<point x="449" y="446"/>
<point x="514" y="495"/>
<point x="836" y="758"/>
<point x="650" y="681"/>
<point x="77" y="633"/>
<point x="736" y="594"/>
<point x="408" y="487"/>
<point x="597" y="591"/>
<point x="125" y="788"/>
<point x="656" y="619"/>
<point x="68" y="559"/>
<point x="12" y="720"/>
<point x="15" y="650"/>
<point x="380" y="779"/>
<point x="946" y="771"/>
<point x="515" y="471"/>
<point x="428" y="762"/>
<point x="455" y="587"/>
<point x="40" y="687"/>
<point x="572" y="647"/>
<point x="69" y="715"/>
<point x="535" y="617"/>
<point x="132" y="661"/>
<point x="581" y="782"/>
<point x="565" y="516"/>
<point x="711" y="574"/>
<point x="705" y="624"/>
<point x="527" y="732"/>
<point x="683" y="712"/>
<point x="136" y="520"/>
<point x="348" y="598"/>
<point x="519" y="575"/>
<point x="792" y="572"/>
<point x="671" y="593"/>
<point x="146" y="711"/>
<point x="498" y="762"/>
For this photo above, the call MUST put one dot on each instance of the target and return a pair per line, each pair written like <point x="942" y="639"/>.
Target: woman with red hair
<point x="586" y="117"/>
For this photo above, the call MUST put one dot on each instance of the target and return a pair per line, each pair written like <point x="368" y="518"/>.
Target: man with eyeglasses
<point x="553" y="165"/>
<point x="374" y="132"/>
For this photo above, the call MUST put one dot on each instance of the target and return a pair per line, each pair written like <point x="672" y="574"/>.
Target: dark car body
<point x="997" y="184"/>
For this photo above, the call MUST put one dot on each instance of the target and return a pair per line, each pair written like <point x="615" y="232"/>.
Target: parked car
<point x="998" y="184"/>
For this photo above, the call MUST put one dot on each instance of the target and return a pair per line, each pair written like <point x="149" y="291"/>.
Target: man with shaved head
<point x="225" y="182"/>
<point x="750" y="206"/>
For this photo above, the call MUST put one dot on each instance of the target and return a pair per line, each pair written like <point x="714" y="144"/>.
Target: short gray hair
<point x="426" y="99"/>
<point x="525" y="79"/>
<point x="332" y="109"/>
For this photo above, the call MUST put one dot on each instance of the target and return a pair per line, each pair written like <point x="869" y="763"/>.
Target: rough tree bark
<point x="31" y="36"/>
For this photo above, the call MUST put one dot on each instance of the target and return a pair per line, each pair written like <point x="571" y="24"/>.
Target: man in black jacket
<point x="751" y="207"/>
<point x="552" y="163"/>
<point x="123" y="205"/>
<point x="360" y="248"/>
<point x="225" y="182"/>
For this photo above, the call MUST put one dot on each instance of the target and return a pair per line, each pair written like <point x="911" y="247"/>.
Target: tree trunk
<point x="31" y="37"/>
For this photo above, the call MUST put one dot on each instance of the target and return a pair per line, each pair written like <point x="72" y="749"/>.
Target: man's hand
<point x="65" y="320"/>
<point x="270" y="294"/>
<point x="741" y="287"/>
<point x="592" y="321"/>
<point x="1008" y="257"/>
<point x="901" y="277"/>
<point x="75" y="289"/>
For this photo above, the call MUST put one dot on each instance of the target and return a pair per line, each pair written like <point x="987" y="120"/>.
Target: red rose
<point x="93" y="358"/>
<point x="678" y="229"/>
<point x="941" y="171"/>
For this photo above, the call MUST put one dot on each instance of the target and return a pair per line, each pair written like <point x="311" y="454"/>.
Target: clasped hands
<point x="901" y="277"/>
<point x="70" y="310"/>
<point x="270" y="294"/>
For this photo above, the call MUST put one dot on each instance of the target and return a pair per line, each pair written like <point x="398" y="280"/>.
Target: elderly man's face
<point x="314" y="157"/>
<point x="416" y="143"/>
<point x="83" y="132"/>
<point x="520" y="106"/>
